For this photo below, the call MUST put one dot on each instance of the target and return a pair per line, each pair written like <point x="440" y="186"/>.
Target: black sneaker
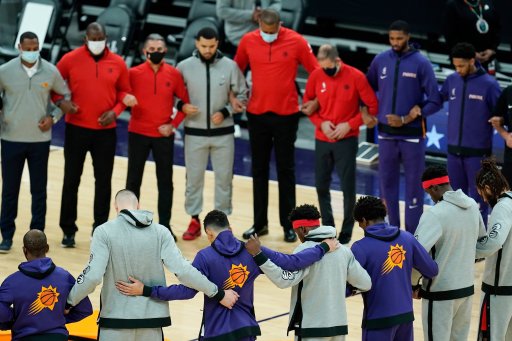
<point x="68" y="240"/>
<point x="6" y="245"/>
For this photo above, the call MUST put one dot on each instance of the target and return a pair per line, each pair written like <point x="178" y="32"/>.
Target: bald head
<point x="126" y="200"/>
<point x="270" y="17"/>
<point x="35" y="244"/>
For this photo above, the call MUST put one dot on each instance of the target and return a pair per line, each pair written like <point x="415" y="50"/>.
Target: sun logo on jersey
<point x="237" y="276"/>
<point x="396" y="257"/>
<point x="46" y="298"/>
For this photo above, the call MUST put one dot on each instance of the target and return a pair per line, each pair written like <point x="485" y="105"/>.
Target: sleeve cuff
<point x="324" y="247"/>
<point x="260" y="258"/>
<point x="68" y="306"/>
<point x="225" y="112"/>
<point x="180" y="105"/>
<point x="219" y="295"/>
<point x="146" y="292"/>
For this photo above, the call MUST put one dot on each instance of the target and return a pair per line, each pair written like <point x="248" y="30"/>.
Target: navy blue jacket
<point x="37" y="294"/>
<point x="471" y="102"/>
<point x="401" y="82"/>
<point x="388" y="254"/>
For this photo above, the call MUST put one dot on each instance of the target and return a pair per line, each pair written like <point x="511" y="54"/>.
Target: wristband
<point x="403" y="119"/>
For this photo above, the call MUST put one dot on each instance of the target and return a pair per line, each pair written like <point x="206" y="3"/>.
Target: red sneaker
<point x="193" y="231"/>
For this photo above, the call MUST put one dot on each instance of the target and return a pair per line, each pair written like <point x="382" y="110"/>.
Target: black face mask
<point x="331" y="71"/>
<point x="155" y="57"/>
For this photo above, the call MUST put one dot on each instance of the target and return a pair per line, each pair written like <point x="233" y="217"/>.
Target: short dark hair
<point x="328" y="51"/>
<point x="270" y="16"/>
<point x="369" y="208"/>
<point x="154" y="37"/>
<point x="305" y="211"/>
<point x="207" y="33"/>
<point x="490" y="175"/>
<point x="463" y="50"/>
<point x="400" y="25"/>
<point x="35" y="243"/>
<point x="95" y="27"/>
<point x="433" y="172"/>
<point x="216" y="220"/>
<point x="28" y="35"/>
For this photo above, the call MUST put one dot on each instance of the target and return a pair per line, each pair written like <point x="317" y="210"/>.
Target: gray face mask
<point x="30" y="56"/>
<point x="267" y="37"/>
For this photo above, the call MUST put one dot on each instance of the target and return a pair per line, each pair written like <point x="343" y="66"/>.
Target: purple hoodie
<point x="228" y="264"/>
<point x="37" y="294"/>
<point x="389" y="254"/>
<point x="401" y="82"/>
<point x="471" y="101"/>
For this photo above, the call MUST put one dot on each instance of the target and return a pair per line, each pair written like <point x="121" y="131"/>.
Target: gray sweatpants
<point x="221" y="151"/>
<point x="500" y="319"/>
<point x="139" y="334"/>
<point x="449" y="319"/>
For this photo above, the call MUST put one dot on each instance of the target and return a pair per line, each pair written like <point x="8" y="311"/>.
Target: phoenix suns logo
<point x="237" y="276"/>
<point x="396" y="257"/>
<point x="46" y="298"/>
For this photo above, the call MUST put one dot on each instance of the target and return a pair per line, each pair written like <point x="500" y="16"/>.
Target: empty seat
<point x="118" y="22"/>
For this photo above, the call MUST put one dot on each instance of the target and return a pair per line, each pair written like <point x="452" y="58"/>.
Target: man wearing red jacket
<point x="151" y="127"/>
<point x="98" y="80"/>
<point x="339" y="89"/>
<point x="273" y="54"/>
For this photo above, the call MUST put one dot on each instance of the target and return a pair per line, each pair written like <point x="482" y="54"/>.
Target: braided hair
<point x="489" y="175"/>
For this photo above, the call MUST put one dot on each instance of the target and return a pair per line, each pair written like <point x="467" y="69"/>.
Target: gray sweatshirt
<point x="496" y="246"/>
<point x="449" y="231"/>
<point x="208" y="86"/>
<point x="132" y="245"/>
<point x="322" y="287"/>
<point x="27" y="100"/>
<point x="237" y="16"/>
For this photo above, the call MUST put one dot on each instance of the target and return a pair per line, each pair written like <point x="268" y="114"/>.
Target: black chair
<point x="118" y="21"/>
<point x="292" y="14"/>
<point x="202" y="14"/>
<point x="9" y="13"/>
<point x="50" y="46"/>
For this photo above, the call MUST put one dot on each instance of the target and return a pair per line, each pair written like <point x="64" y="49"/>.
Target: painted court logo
<point x="396" y="257"/>
<point x="237" y="276"/>
<point x="46" y="298"/>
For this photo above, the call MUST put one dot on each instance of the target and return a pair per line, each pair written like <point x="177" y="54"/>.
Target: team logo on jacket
<point x="452" y="95"/>
<point x="384" y="73"/>
<point x="323" y="88"/>
<point x="396" y="257"/>
<point x="477" y="97"/>
<point x="46" y="298"/>
<point x="45" y="85"/>
<point x="408" y="74"/>
<point x="237" y="276"/>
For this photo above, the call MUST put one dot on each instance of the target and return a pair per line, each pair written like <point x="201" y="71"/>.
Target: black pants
<point x="14" y="155"/>
<point x="162" y="148"/>
<point x="278" y="131"/>
<point x="342" y="156"/>
<point x="102" y="146"/>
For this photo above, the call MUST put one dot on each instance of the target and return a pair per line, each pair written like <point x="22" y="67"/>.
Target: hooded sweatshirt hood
<point x="458" y="198"/>
<point x="321" y="233"/>
<point x="137" y="218"/>
<point x="382" y="231"/>
<point x="227" y="245"/>
<point x="37" y="268"/>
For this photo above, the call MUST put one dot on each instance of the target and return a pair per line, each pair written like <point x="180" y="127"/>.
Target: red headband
<point x="436" y="181"/>
<point x="305" y="223"/>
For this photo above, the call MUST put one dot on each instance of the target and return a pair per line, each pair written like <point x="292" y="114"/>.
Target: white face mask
<point x="96" y="47"/>
<point x="267" y="37"/>
<point x="30" y="56"/>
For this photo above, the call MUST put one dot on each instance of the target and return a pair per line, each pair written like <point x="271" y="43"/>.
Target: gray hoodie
<point x="449" y="231"/>
<point x="321" y="287"/>
<point x="27" y="100"/>
<point x="497" y="247"/>
<point x="132" y="245"/>
<point x="208" y="85"/>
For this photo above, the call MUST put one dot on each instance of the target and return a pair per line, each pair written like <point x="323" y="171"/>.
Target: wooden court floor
<point x="186" y="315"/>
